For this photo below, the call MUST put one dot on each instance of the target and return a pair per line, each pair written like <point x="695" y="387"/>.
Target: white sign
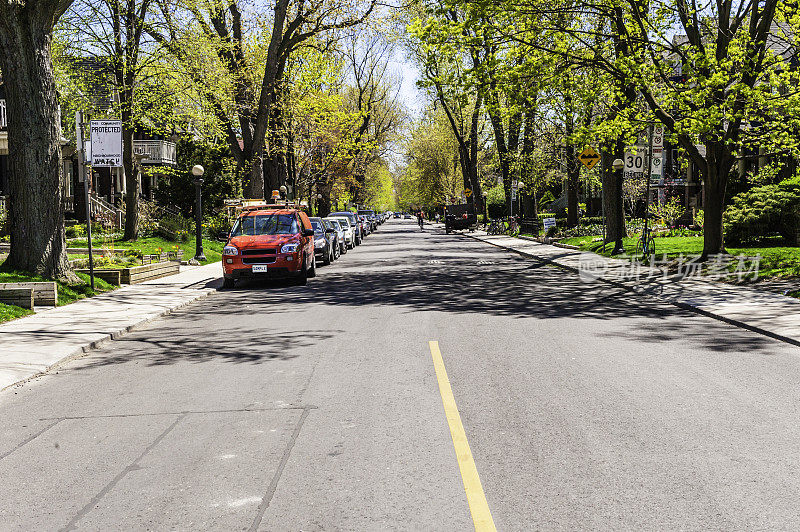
<point x="548" y="223"/>
<point x="658" y="137"/>
<point x="657" y="166"/>
<point x="106" y="138"/>
<point x="513" y="194"/>
<point x="635" y="157"/>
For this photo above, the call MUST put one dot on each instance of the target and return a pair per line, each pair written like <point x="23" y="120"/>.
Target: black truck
<point x="460" y="217"/>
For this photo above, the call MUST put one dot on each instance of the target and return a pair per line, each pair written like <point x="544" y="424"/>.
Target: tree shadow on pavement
<point x="510" y="286"/>
<point x="170" y="343"/>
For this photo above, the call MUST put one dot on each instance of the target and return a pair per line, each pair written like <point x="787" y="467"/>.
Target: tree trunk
<point x="36" y="213"/>
<point x="716" y="181"/>
<point x="275" y="172"/>
<point x="613" y="207"/>
<point x="573" y="172"/>
<point x="573" y="183"/>
<point x="254" y="188"/>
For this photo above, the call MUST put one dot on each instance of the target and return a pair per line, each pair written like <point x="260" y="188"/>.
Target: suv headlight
<point x="230" y="250"/>
<point x="319" y="242"/>
<point x="289" y="248"/>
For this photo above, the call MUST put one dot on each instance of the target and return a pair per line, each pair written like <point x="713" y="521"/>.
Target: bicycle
<point x="513" y="226"/>
<point x="646" y="245"/>
<point x="496" y="227"/>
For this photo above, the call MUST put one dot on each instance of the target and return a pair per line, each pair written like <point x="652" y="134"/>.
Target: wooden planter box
<point x="45" y="293"/>
<point x="113" y="277"/>
<point x="20" y="297"/>
<point x="139" y="274"/>
<point x="136" y="274"/>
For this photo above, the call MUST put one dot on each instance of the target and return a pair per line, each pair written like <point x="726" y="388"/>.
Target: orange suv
<point x="269" y="242"/>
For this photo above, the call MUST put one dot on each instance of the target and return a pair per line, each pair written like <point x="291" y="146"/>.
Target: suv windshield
<point x="265" y="224"/>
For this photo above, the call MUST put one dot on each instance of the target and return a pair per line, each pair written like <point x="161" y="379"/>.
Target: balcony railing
<point x="155" y="151"/>
<point x="3" y="117"/>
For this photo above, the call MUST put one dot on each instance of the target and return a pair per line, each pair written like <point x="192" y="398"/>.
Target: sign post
<point x="657" y="160"/>
<point x="79" y="149"/>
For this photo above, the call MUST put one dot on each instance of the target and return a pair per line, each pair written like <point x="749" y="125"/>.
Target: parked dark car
<point x="369" y="214"/>
<point x="326" y="248"/>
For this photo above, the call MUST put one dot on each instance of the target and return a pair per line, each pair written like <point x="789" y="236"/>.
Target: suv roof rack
<point x="264" y="206"/>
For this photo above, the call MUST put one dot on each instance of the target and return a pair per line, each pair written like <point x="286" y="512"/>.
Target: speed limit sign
<point x="635" y="161"/>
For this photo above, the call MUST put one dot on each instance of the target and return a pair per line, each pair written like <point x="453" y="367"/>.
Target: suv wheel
<point x="312" y="271"/>
<point x="327" y="259"/>
<point x="302" y="276"/>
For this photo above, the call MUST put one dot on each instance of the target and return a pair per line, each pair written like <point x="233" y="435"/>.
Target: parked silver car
<point x="341" y="233"/>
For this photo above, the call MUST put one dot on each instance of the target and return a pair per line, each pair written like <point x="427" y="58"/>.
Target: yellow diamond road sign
<point x="467" y="192"/>
<point x="589" y="157"/>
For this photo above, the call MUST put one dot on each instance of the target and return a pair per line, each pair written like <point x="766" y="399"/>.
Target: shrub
<point x="670" y="211"/>
<point x="591" y="220"/>
<point x="699" y="218"/>
<point x="581" y="230"/>
<point x="764" y="211"/>
<point x="75" y="231"/>
<point x="174" y="227"/>
<point x="546" y="199"/>
<point x="214" y="224"/>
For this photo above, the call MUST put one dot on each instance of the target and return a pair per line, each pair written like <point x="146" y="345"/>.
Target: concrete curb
<point x="679" y="304"/>
<point x="107" y="338"/>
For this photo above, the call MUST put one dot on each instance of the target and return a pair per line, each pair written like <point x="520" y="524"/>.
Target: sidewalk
<point x="31" y="345"/>
<point x="767" y="313"/>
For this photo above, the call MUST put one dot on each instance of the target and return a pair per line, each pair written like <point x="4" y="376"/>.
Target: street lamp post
<point x="197" y="172"/>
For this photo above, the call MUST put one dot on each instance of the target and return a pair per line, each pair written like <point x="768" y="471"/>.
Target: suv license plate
<point x="259" y="268"/>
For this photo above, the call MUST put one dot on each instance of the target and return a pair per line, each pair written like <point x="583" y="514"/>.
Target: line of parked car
<point x="276" y="241"/>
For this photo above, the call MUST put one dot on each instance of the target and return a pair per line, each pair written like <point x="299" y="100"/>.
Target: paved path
<point x="35" y="343"/>
<point x="324" y="407"/>
<point x="765" y="312"/>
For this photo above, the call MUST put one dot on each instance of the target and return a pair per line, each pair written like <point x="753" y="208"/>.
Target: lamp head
<point x="198" y="170"/>
<point x="618" y="164"/>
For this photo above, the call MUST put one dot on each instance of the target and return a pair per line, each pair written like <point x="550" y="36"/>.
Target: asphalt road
<point x="277" y="407"/>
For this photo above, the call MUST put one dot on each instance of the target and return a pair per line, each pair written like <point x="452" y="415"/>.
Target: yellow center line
<point x="478" y="507"/>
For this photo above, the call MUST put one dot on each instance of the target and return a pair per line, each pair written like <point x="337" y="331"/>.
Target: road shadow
<point x="509" y="286"/>
<point x="173" y="341"/>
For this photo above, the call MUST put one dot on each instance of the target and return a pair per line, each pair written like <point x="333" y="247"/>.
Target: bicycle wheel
<point x="640" y="247"/>
<point x="651" y="246"/>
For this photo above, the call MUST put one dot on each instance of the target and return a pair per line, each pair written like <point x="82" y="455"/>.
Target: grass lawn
<point x="152" y="245"/>
<point x="67" y="293"/>
<point x="10" y="312"/>
<point x="776" y="261"/>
